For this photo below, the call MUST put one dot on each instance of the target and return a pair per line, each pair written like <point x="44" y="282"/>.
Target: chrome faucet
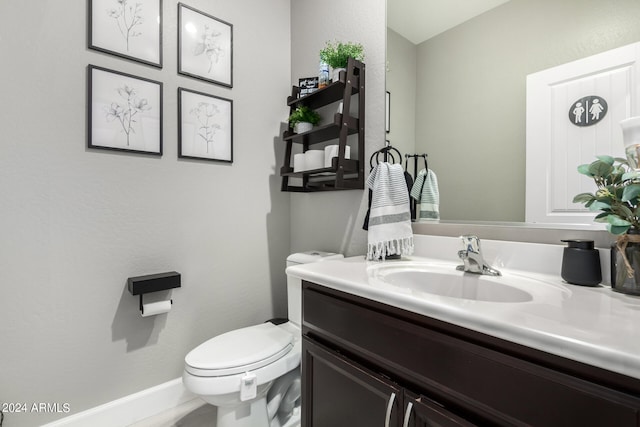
<point x="472" y="258"/>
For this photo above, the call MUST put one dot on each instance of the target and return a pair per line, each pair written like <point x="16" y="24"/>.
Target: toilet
<point x="252" y="374"/>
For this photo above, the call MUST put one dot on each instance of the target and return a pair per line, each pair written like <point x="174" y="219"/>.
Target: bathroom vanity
<point x="357" y="353"/>
<point x="375" y="355"/>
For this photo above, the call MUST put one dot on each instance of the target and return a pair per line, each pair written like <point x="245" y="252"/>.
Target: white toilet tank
<point x="294" y="285"/>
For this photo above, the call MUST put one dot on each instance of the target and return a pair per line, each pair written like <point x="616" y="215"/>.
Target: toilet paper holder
<point x="141" y="285"/>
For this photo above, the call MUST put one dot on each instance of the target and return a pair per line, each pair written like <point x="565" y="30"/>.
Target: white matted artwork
<point x="205" y="126"/>
<point x="205" y="46"/>
<point x="130" y="29"/>
<point x="125" y="112"/>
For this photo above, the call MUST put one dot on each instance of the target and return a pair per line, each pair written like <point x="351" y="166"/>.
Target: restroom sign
<point x="588" y="111"/>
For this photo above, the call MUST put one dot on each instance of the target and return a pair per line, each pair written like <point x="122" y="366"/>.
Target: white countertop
<point x="593" y="325"/>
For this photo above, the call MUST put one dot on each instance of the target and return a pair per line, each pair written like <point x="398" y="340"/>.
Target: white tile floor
<point x="195" y="413"/>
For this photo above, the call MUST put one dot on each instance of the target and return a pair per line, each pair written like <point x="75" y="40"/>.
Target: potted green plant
<point x="618" y="199"/>
<point x="336" y="55"/>
<point x="303" y="119"/>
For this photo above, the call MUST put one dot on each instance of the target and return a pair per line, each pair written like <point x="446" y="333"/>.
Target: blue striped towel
<point x="389" y="230"/>
<point x="425" y="191"/>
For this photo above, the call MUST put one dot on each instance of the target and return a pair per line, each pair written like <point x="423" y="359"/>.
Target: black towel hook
<point x="415" y="161"/>
<point x="386" y="152"/>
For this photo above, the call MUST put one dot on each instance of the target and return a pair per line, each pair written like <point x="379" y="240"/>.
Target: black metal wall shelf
<point x="324" y="133"/>
<point x="348" y="166"/>
<point x="321" y="97"/>
<point x="344" y="174"/>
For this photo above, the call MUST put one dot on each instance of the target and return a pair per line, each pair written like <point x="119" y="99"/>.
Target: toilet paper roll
<point x="153" y="308"/>
<point x="331" y="151"/>
<point x="298" y="162"/>
<point x="314" y="159"/>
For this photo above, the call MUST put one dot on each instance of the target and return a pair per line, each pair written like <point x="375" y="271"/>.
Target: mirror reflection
<point x="458" y="89"/>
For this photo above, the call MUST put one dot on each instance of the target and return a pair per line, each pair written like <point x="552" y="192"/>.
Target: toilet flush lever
<point x="248" y="386"/>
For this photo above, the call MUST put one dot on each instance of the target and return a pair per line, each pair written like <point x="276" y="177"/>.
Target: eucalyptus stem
<point x="617" y="195"/>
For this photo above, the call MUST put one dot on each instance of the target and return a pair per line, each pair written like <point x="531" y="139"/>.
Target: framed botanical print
<point x="124" y="112"/>
<point x="130" y="29"/>
<point x="205" y="46"/>
<point x="205" y="126"/>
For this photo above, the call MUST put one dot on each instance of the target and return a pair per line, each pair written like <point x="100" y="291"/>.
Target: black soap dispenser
<point x="581" y="263"/>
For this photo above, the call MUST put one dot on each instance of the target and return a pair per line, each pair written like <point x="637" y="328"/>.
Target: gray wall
<point x="470" y="110"/>
<point x="333" y="220"/>
<point x="75" y="223"/>
<point x="401" y="83"/>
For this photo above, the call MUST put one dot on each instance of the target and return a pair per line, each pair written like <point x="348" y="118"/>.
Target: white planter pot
<point x="302" y="127"/>
<point x="336" y="74"/>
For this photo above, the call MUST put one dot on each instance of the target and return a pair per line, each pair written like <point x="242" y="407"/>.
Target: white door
<point x="565" y="129"/>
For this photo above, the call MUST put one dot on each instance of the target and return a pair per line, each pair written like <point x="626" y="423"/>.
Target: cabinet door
<point x="339" y="393"/>
<point x="423" y="412"/>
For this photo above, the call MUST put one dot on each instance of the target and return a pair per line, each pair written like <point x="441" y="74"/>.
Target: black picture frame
<point x="205" y="46"/>
<point x="124" y="112"/>
<point x="205" y="126"/>
<point x="130" y="29"/>
<point x="387" y="120"/>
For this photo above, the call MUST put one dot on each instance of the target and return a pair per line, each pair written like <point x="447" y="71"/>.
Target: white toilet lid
<point x="239" y="351"/>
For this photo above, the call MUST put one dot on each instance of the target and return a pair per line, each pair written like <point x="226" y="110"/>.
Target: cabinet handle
<point x="392" y="399"/>
<point x="407" y="415"/>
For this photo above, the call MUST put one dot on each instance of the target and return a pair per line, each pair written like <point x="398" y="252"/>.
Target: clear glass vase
<point x="621" y="280"/>
<point x="631" y="140"/>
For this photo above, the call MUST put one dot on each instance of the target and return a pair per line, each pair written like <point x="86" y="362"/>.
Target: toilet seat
<point x="239" y="351"/>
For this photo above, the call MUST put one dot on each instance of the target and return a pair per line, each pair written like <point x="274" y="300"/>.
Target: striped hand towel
<point x="390" y="230"/>
<point x="425" y="191"/>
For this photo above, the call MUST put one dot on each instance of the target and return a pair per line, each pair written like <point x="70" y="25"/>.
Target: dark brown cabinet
<point x="422" y="412"/>
<point x="359" y="355"/>
<point x="343" y="174"/>
<point x="345" y="394"/>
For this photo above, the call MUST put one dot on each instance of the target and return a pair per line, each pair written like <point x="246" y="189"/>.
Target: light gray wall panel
<point x="75" y="223"/>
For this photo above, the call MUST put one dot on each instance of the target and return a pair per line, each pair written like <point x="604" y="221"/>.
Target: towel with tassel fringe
<point x="389" y="230"/>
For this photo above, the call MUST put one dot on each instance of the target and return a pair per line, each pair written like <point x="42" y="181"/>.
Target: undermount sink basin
<point x="444" y="280"/>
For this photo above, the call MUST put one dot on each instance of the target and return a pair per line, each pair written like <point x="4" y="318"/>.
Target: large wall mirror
<point x="458" y="89"/>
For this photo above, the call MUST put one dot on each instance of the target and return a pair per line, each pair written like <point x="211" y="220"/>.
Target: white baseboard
<point x="130" y="409"/>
